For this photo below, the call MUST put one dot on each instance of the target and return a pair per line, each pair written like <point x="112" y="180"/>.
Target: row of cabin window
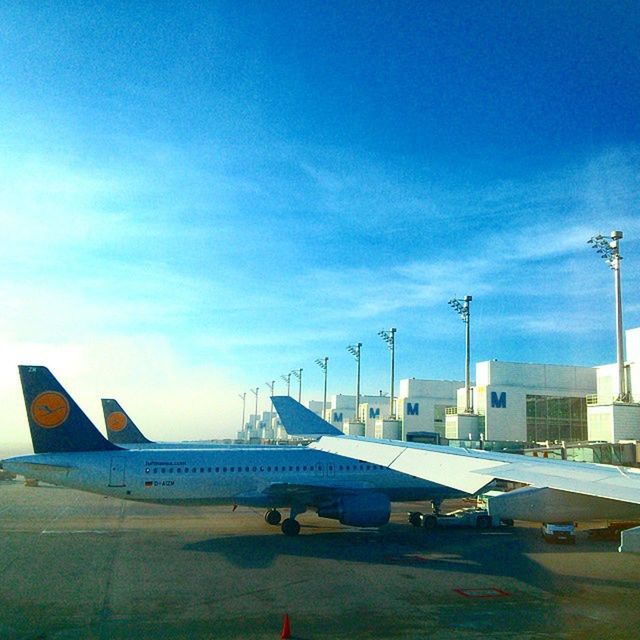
<point x="348" y="467"/>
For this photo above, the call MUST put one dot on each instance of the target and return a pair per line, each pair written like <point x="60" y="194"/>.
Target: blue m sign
<point x="374" y="413"/>
<point x="499" y="401"/>
<point x="413" y="409"/>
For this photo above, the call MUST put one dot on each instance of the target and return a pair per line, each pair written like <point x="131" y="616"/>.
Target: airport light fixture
<point x="287" y="378"/>
<point x="322" y="363"/>
<point x="354" y="350"/>
<point x="270" y="386"/>
<point x="244" y="406"/>
<point x="390" y="338"/>
<point x="298" y="374"/>
<point x="255" y="392"/>
<point x="609" y="250"/>
<point x="461" y="306"/>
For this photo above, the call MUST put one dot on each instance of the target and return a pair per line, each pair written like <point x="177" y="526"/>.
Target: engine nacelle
<point x="359" y="510"/>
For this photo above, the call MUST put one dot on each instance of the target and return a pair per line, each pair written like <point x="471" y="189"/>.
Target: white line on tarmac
<point x="66" y="531"/>
<point x="62" y="512"/>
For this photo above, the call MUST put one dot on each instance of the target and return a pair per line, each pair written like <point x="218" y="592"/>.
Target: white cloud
<point x="166" y="394"/>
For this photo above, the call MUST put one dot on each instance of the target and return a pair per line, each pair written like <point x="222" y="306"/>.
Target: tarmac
<point x="75" y="565"/>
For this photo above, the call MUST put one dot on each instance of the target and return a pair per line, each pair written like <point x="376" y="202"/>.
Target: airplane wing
<point x="470" y="470"/>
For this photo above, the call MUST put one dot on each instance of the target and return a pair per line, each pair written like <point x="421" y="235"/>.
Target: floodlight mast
<point x="463" y="309"/>
<point x="298" y="374"/>
<point x="610" y="252"/>
<point x="271" y="386"/>
<point x="354" y="350"/>
<point x="255" y="392"/>
<point x="322" y="363"/>
<point x="287" y="378"/>
<point x="390" y="338"/>
<point x="244" y="404"/>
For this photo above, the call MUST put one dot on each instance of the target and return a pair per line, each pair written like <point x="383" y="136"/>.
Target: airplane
<point x="70" y="451"/>
<point x="124" y="432"/>
<point x="557" y="491"/>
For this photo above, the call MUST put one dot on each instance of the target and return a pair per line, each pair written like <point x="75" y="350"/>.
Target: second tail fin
<point x="300" y="421"/>
<point x="121" y="429"/>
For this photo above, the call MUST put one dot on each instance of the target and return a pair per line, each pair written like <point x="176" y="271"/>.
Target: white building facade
<point x="421" y="404"/>
<point x="531" y="402"/>
<point x="342" y="410"/>
<point x="609" y="419"/>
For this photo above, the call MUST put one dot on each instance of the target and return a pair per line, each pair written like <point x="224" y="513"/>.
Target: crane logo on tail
<point x="50" y="409"/>
<point x="116" y="421"/>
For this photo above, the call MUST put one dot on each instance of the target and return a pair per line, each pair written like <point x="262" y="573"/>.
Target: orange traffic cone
<point x="286" y="628"/>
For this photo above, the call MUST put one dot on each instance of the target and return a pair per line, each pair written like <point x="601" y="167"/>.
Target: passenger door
<point x="116" y="473"/>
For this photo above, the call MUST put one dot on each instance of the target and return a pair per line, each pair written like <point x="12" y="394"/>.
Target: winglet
<point x="300" y="421"/>
<point x="56" y="422"/>
<point x="121" y="429"/>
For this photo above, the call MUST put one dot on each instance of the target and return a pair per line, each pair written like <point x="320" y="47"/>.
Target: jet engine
<point x="359" y="509"/>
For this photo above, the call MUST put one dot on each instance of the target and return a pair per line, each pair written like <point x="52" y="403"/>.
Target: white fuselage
<point x="260" y="476"/>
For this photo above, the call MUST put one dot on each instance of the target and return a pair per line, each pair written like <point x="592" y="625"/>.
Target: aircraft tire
<point x="273" y="517"/>
<point x="429" y="522"/>
<point x="415" y="518"/>
<point x="290" y="527"/>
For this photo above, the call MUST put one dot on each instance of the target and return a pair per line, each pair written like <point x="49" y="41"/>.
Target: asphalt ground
<point x="75" y="566"/>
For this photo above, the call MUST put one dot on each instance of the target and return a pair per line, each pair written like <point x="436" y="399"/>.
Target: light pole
<point x="354" y="350"/>
<point x="390" y="338"/>
<point x="255" y="392"/>
<point x="287" y="378"/>
<point x="462" y="307"/>
<point x="322" y="363"/>
<point x="244" y="404"/>
<point x="298" y="374"/>
<point x="610" y="252"/>
<point x="270" y="387"/>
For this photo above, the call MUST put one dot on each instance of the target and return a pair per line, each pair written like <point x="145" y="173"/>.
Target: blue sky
<point x="196" y="198"/>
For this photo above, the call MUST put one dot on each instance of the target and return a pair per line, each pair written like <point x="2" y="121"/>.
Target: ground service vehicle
<point x="559" y="532"/>
<point x="475" y="518"/>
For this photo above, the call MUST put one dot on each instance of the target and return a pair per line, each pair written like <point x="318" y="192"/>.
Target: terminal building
<point x="342" y="413"/>
<point x="510" y="402"/>
<point x="610" y="418"/>
<point x="422" y="405"/>
<point x="524" y="402"/>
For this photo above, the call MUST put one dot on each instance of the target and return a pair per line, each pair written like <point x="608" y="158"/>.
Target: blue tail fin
<point x="121" y="429"/>
<point x="300" y="421"/>
<point x="56" y="422"/>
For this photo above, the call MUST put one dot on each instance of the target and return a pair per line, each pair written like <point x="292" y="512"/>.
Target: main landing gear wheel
<point x="429" y="522"/>
<point x="290" y="527"/>
<point x="415" y="518"/>
<point x="273" y="517"/>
